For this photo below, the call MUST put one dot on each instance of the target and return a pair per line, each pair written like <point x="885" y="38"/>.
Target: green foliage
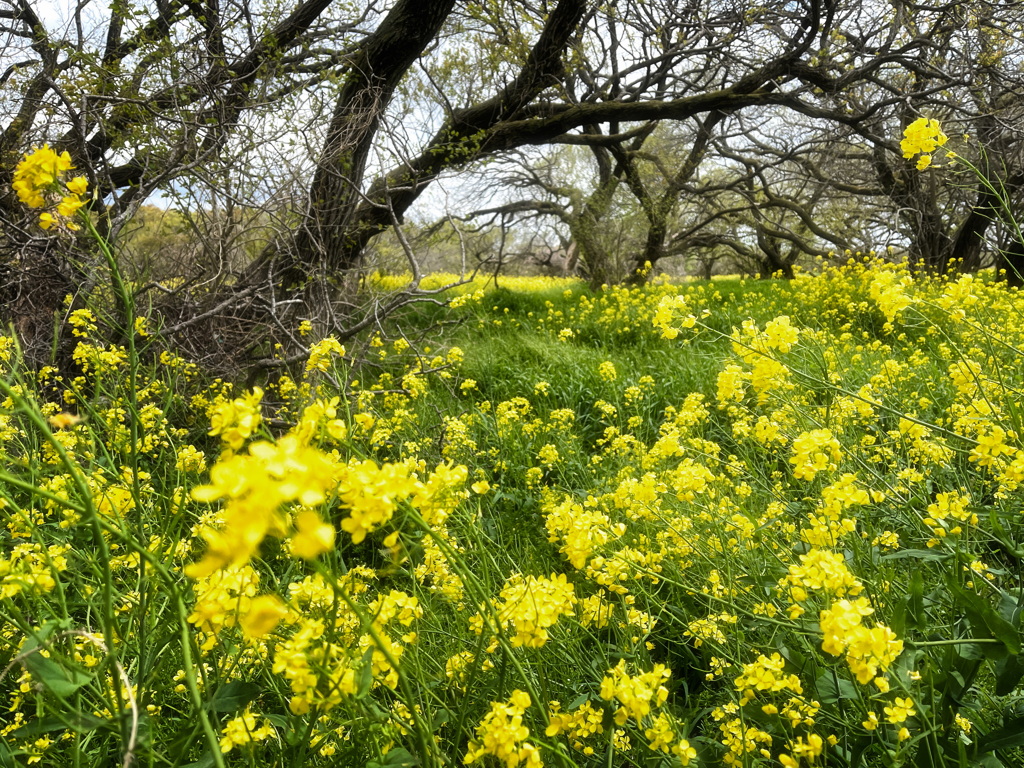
<point x="793" y="528"/>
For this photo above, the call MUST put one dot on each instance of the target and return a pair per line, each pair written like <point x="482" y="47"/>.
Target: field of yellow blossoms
<point x="708" y="524"/>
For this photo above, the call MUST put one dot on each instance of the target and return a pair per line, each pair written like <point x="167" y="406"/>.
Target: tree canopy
<point x="719" y="124"/>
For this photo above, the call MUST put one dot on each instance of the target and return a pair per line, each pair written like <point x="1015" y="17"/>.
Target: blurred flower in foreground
<point x="64" y="420"/>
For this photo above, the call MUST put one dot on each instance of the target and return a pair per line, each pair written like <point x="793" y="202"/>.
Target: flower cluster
<point x="236" y="420"/>
<point x="662" y="737"/>
<point x="502" y="734"/>
<point x="531" y="605"/>
<point x="578" y="725"/>
<point x="30" y="567"/>
<point x="923" y="136"/>
<point x="39" y="183"/>
<point x="637" y="695"/>
<point x="321" y="352"/>
<point x="372" y="493"/>
<point x="766" y="674"/>
<point x="889" y="290"/>
<point x="243" y="730"/>
<point x="820" y="570"/>
<point x="868" y="649"/>
<point x="667" y="317"/>
<point x="947" y="516"/>
<point x="256" y="485"/>
<point x="580" y="530"/>
<point x="813" y="452"/>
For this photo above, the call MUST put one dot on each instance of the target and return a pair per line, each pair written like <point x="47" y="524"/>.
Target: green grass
<point x="689" y="515"/>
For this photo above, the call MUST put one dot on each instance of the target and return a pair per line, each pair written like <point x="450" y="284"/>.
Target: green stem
<point x="959" y="641"/>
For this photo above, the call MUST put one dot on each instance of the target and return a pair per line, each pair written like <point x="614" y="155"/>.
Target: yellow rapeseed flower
<point x="38" y="182"/>
<point x="38" y="173"/>
<point x="637" y="695"/>
<point x="502" y="734"/>
<point x="265" y="612"/>
<point x="64" y="420"/>
<point x="923" y="136"/>
<point x="312" y="535"/>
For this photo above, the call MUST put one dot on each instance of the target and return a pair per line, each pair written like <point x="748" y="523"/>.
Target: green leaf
<point x="984" y="620"/>
<point x="233" y="696"/>
<point x="41" y="635"/>
<point x="1009" y="672"/>
<point x="281" y="721"/>
<point x="80" y="722"/>
<point x="365" y="675"/>
<point x="915" y="601"/>
<point x="792" y="655"/>
<point x="58" y="680"/>
<point x="398" y="758"/>
<point x="206" y="761"/>
<point x="830" y="689"/>
<point x="1010" y="606"/>
<point x="917" y="554"/>
<point x="970" y="651"/>
<point x="6" y="756"/>
<point x="579" y="701"/>
<point x="441" y="717"/>
<point x="1010" y="735"/>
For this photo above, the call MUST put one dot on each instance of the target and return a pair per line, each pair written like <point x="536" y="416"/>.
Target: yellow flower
<point x="263" y="615"/>
<point x="321" y="352"/>
<point x="37" y="181"/>
<point x="372" y="493"/>
<point x="235" y="421"/>
<point x="532" y="605"/>
<point x="661" y="737"/>
<point x="242" y="730"/>
<point x="69" y="206"/>
<point x="780" y="334"/>
<point x="313" y="536"/>
<point x="220" y="597"/>
<point x="78" y="185"/>
<point x="813" y="452"/>
<point x="502" y="734"/>
<point x="256" y="485"/>
<point x="766" y="675"/>
<point x="923" y="136"/>
<point x="190" y="459"/>
<point x="64" y="420"/>
<point x="900" y="710"/>
<point x="548" y="455"/>
<point x="37" y="173"/>
<point x="637" y="695"/>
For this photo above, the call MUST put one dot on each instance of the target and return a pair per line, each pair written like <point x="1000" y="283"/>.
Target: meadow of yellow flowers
<point x="676" y="525"/>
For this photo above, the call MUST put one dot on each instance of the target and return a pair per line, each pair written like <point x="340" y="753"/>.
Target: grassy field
<point x="729" y="523"/>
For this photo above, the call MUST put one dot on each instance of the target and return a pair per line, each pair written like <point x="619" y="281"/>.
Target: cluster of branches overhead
<point x="724" y="126"/>
<point x="814" y="164"/>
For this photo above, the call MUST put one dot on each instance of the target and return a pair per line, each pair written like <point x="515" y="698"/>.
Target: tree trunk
<point x="325" y="241"/>
<point x="342" y="218"/>
<point x="1011" y="259"/>
<point x="592" y="253"/>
